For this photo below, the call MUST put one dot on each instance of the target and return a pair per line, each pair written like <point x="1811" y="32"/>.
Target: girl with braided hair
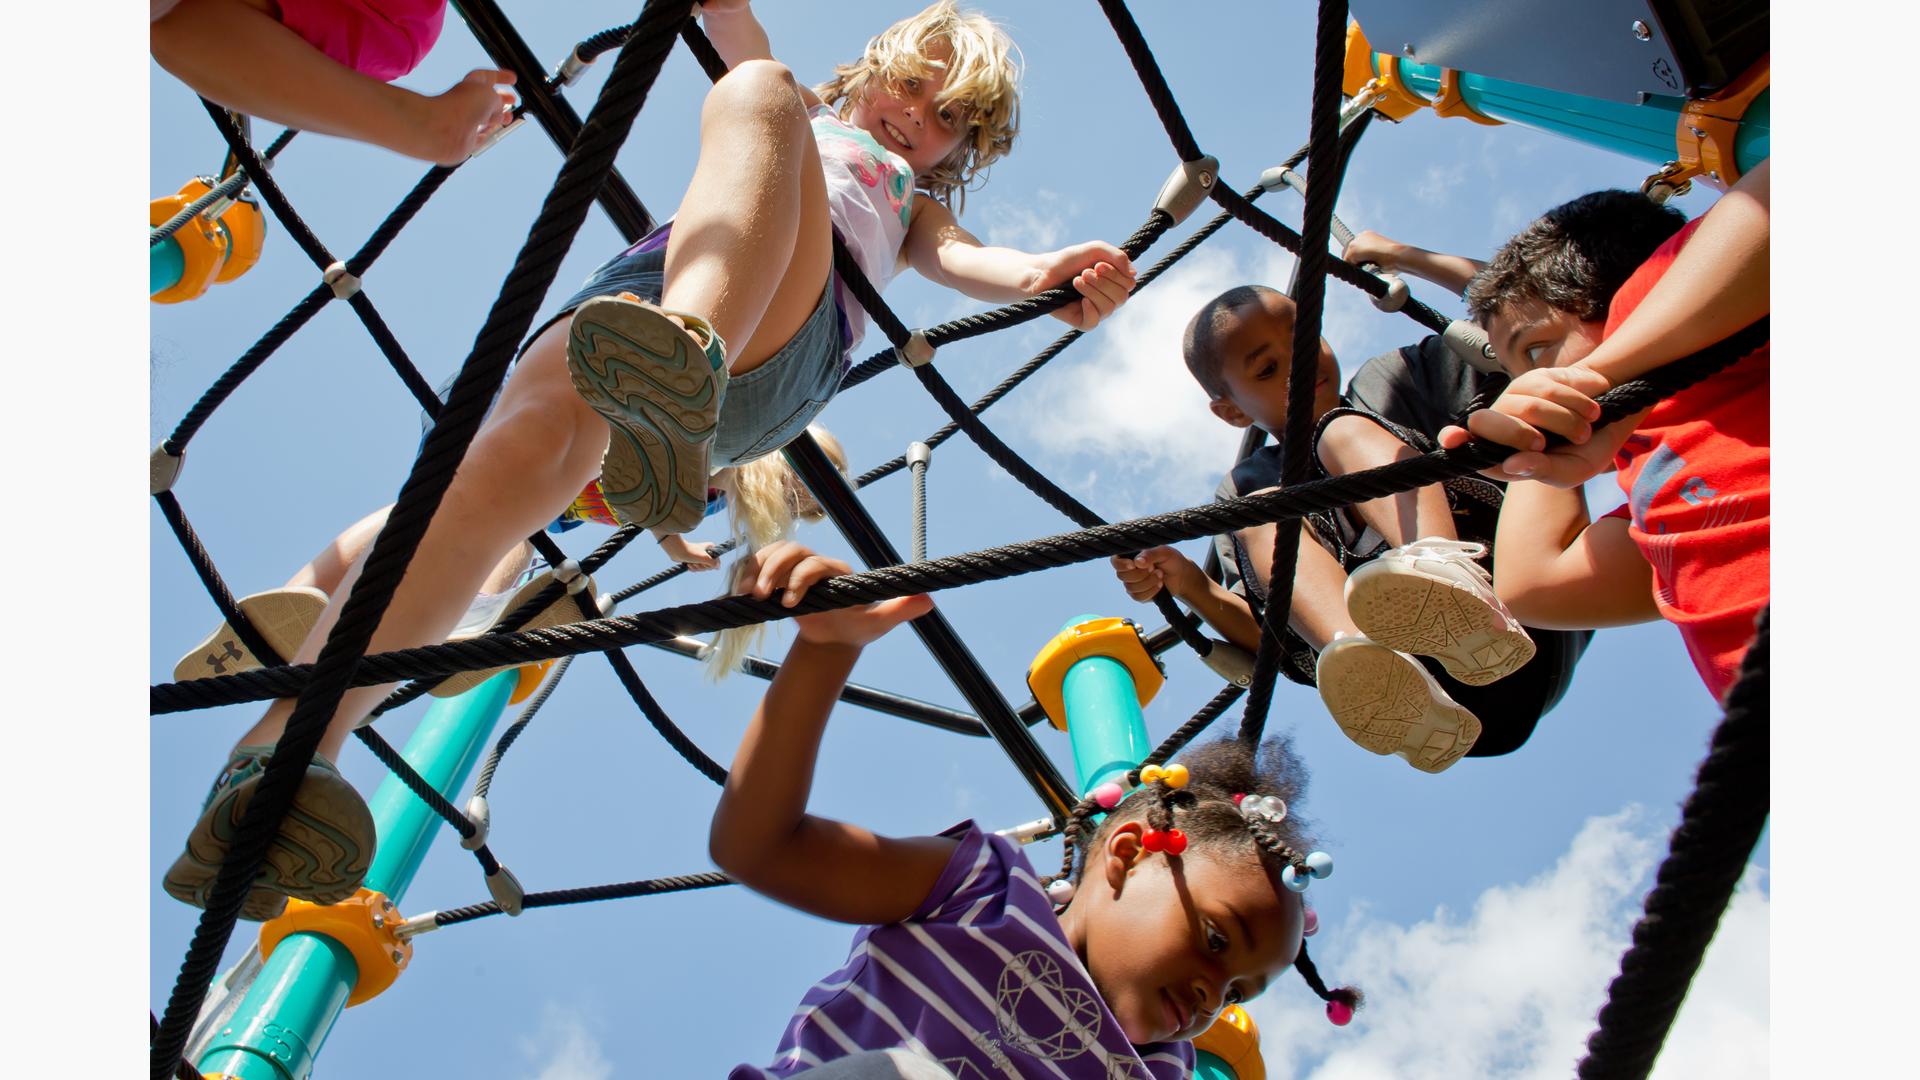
<point x="1184" y="901"/>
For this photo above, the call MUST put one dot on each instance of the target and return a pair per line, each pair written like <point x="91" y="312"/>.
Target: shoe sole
<point x="660" y="397"/>
<point x="284" y="618"/>
<point x="1382" y="702"/>
<point x="559" y="613"/>
<point x="317" y="855"/>
<point x="1414" y="614"/>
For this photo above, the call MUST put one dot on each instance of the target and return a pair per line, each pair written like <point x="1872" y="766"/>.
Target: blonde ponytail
<point x="764" y="497"/>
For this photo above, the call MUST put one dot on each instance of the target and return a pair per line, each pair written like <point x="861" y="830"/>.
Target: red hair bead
<point x="1340" y="1013"/>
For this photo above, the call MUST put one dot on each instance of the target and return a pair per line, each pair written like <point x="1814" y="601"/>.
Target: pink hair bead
<point x="1312" y="924"/>
<point x="1340" y="1013"/>
<point x="1108" y="795"/>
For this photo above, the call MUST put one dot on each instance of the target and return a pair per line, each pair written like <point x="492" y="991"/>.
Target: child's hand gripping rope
<point x="790" y="569"/>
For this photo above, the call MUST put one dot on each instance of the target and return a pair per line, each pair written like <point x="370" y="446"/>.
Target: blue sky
<point x="1489" y="903"/>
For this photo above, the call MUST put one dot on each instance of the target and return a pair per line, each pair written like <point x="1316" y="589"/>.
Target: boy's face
<point x="1170" y="942"/>
<point x="1528" y="334"/>
<point x="1257" y="351"/>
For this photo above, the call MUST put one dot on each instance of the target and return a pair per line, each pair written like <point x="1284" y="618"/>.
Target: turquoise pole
<point x="1209" y="1067"/>
<point x="1644" y="131"/>
<point x="279" y="1026"/>
<point x="165" y="266"/>
<point x="1108" y="732"/>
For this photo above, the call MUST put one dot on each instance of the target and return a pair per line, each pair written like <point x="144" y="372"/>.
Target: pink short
<point x="382" y="39"/>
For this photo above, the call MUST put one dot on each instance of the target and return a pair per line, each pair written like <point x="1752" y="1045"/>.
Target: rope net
<point x="1655" y="973"/>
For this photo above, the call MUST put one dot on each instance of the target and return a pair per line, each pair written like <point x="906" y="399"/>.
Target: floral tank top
<point x="870" y="199"/>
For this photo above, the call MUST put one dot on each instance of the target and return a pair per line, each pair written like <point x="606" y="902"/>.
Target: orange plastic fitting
<point x="1235" y="1039"/>
<point x="529" y="679"/>
<point x="1397" y="102"/>
<point x="214" y="250"/>
<point x="1450" y="103"/>
<point x="1704" y="134"/>
<point x="1116" y="639"/>
<point x="365" y="923"/>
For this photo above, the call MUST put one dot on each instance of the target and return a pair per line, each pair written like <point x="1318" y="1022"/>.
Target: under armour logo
<point x="219" y="662"/>
<point x="1696" y="491"/>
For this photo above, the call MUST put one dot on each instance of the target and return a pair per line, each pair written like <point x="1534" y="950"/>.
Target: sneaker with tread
<point x="659" y="390"/>
<point x="321" y="853"/>
<point x="1431" y="598"/>
<point x="1385" y="701"/>
<point x="284" y="618"/>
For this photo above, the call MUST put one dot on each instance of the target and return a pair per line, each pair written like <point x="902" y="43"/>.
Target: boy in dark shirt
<point x="1392" y="616"/>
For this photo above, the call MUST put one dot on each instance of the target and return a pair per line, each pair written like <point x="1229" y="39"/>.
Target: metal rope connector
<point x="419" y="924"/>
<point x="1187" y="187"/>
<point x="571" y="69"/>
<point x="568" y="573"/>
<point x="506" y="891"/>
<point x="1470" y="344"/>
<point x="1030" y="831"/>
<point x="481" y="815"/>
<point x="343" y="284"/>
<point x="917" y="352"/>
<point x="1395" y="297"/>
<point x="162" y="469"/>
<point x="1230" y="662"/>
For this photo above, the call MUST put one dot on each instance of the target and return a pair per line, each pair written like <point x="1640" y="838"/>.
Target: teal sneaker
<point x="659" y="389"/>
<point x="321" y="854"/>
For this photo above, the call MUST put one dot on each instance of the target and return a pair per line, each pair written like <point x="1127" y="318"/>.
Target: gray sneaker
<point x="1385" y="701"/>
<point x="321" y="853"/>
<point x="659" y="389"/>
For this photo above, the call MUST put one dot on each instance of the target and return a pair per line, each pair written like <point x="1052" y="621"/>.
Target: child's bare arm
<point x="1452" y="272"/>
<point x="943" y="252"/>
<point x="762" y="835"/>
<point x="737" y="36"/>
<point x="1557" y="571"/>
<point x="1155" y="568"/>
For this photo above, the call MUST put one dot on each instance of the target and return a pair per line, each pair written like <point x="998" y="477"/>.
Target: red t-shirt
<point x="1696" y="477"/>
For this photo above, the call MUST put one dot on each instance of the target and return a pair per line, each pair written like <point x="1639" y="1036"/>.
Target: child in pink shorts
<point x="325" y="66"/>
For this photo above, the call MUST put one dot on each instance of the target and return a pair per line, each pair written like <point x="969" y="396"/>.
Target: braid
<point x="1345" y="995"/>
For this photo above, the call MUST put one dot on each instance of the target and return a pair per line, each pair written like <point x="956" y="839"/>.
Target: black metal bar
<point x="880" y="701"/>
<point x="562" y="124"/>
<point x="834" y="494"/>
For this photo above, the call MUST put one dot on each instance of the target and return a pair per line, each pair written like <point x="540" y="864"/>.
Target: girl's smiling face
<point x="905" y="116"/>
<point x="1170" y="942"/>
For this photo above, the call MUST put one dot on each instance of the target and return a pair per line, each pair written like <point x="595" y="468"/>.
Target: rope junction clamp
<point x="568" y="573"/>
<point x="1395" y="297"/>
<point x="365" y="923"/>
<point x="1670" y="181"/>
<point x="919" y="453"/>
<point x="571" y="69"/>
<point x="1187" y="187"/>
<point x="162" y="470"/>
<point x="1230" y="662"/>
<point x="343" y="284"/>
<point x="917" y="352"/>
<point x="1470" y="343"/>
<point x="481" y="815"/>
<point x="506" y="891"/>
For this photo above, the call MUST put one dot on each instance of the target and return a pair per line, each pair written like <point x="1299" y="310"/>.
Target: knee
<point x="1350" y="443"/>
<point x="756" y="89"/>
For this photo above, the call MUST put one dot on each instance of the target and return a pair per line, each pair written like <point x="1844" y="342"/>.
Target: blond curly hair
<point x="983" y="75"/>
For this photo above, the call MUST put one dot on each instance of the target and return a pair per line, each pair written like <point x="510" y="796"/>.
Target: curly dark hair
<point x="1575" y="256"/>
<point x="1204" y="809"/>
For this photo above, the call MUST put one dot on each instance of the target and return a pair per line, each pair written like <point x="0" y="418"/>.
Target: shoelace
<point x="1460" y="551"/>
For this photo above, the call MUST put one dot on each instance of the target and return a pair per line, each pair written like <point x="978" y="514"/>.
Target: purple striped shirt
<point x="980" y="979"/>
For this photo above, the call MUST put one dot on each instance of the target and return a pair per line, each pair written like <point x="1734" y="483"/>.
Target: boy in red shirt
<point x="1691" y="544"/>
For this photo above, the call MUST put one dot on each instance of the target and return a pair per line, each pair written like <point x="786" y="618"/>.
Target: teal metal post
<point x="165" y="266"/>
<point x="1209" y="1067"/>
<point x="1108" y="732"/>
<point x="279" y="1026"/>
<point x="1643" y="131"/>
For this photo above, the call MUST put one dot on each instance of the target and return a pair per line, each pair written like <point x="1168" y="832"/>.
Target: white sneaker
<point x="284" y="618"/>
<point x="488" y="609"/>
<point x="1431" y="598"/>
<point x="1385" y="701"/>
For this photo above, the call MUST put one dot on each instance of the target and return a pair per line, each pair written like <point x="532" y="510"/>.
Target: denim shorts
<point x="766" y="408"/>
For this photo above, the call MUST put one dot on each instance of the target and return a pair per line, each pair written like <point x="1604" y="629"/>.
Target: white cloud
<point x="1037" y="222"/>
<point x="1438" y="184"/>
<point x="564" y="1049"/>
<point x="1125" y="412"/>
<point x="1511" y="989"/>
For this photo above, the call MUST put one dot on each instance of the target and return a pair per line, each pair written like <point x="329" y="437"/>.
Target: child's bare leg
<point x="752" y="245"/>
<point x="329" y="568"/>
<point x="1352" y="443"/>
<point x="238" y="54"/>
<point x="540" y="445"/>
<point x="1319" y="608"/>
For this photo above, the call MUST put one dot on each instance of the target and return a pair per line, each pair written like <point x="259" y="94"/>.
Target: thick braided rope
<point x="948" y="571"/>
<point x="587" y="165"/>
<point x="1719" y="826"/>
<point x="1155" y="84"/>
<point x="421" y="788"/>
<point x="1310" y="293"/>
<point x="210" y="577"/>
<point x="557" y="897"/>
<point x="227" y="188"/>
